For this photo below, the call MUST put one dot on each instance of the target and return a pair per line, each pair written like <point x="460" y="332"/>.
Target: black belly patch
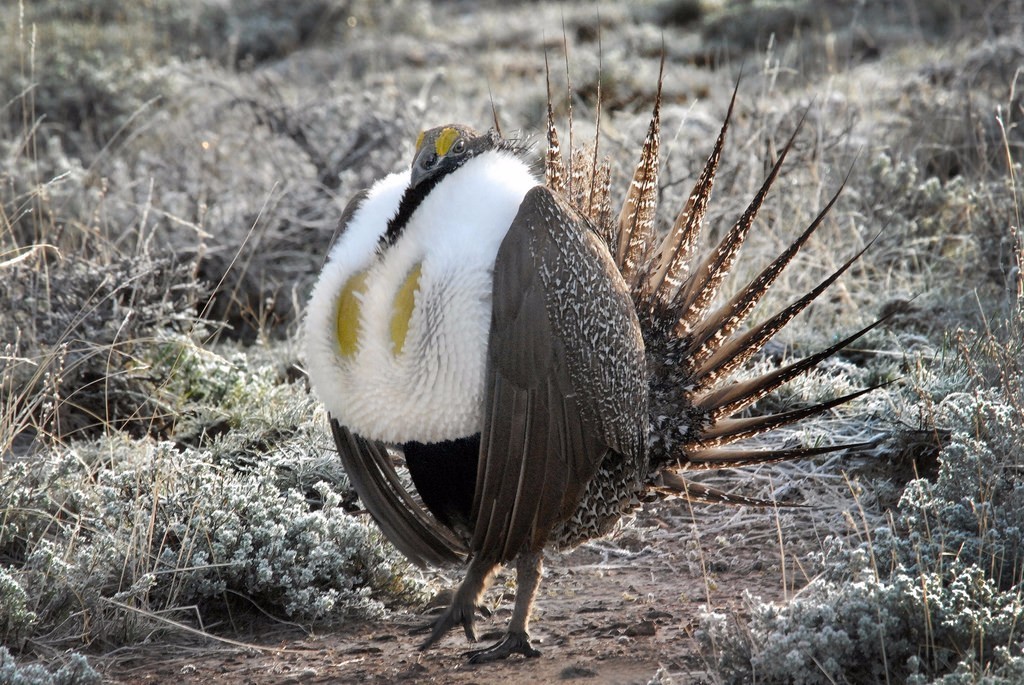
<point x="444" y="474"/>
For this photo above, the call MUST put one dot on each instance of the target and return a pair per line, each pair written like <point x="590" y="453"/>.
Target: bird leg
<point x="465" y="602"/>
<point x="529" y="570"/>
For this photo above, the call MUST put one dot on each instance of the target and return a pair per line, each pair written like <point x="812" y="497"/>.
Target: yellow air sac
<point x="348" y="314"/>
<point x="405" y="301"/>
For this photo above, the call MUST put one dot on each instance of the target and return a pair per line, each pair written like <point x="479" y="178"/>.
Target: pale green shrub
<point x="855" y="626"/>
<point x="15" y="619"/>
<point x="938" y="596"/>
<point x="119" y="524"/>
<point x="76" y="672"/>
<point x="248" y="504"/>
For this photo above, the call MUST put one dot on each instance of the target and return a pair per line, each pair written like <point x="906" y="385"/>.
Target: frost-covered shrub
<point x="15" y="616"/>
<point x="974" y="512"/>
<point x="955" y="226"/>
<point x="77" y="330"/>
<point x="248" y="503"/>
<point x="75" y="80"/>
<point x="857" y="627"/>
<point x="76" y="672"/>
<point x="157" y="528"/>
<point x="220" y="532"/>
<point x="938" y="596"/>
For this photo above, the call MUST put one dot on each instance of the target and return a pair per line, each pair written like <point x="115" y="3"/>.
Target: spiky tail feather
<point x="692" y="351"/>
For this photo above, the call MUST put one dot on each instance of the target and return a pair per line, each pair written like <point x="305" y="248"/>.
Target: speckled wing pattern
<point x="566" y="380"/>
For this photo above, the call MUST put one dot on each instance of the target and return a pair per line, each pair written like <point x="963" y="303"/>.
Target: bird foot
<point x="457" y="614"/>
<point x="512" y="643"/>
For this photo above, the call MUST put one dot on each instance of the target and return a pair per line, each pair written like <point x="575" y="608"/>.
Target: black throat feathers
<point x="411" y="199"/>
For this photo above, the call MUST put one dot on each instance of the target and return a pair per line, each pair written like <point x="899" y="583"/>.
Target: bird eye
<point x="459" y="147"/>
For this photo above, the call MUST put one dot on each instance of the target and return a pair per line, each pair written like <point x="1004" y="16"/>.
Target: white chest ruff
<point x="431" y="387"/>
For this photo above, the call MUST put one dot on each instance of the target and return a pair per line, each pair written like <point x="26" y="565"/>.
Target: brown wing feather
<point x="711" y="458"/>
<point x="405" y="522"/>
<point x="346" y="217"/>
<point x="566" y="378"/>
<point x="675" y="484"/>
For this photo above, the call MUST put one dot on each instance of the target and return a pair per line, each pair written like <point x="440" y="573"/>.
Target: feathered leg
<point x="529" y="569"/>
<point x="464" y="604"/>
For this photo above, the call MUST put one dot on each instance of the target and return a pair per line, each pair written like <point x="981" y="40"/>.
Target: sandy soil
<point x="610" y="612"/>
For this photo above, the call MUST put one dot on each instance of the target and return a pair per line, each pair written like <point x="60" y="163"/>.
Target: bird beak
<point x="424" y="165"/>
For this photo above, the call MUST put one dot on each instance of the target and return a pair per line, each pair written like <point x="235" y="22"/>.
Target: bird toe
<point x="458" y="614"/>
<point x="514" y="642"/>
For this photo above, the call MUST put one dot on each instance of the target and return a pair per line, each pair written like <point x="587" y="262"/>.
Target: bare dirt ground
<point x="618" y="611"/>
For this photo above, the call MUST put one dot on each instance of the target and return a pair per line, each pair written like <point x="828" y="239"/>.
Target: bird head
<point x="439" y="152"/>
<point x="442" y="150"/>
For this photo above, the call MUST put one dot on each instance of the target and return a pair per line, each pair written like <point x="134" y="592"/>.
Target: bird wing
<point x="566" y="378"/>
<point x="405" y="522"/>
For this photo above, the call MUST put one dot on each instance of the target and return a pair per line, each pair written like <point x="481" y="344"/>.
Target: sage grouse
<point x="538" y="358"/>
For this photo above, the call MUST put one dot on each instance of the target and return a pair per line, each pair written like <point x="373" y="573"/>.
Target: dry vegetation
<point x="170" y="178"/>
